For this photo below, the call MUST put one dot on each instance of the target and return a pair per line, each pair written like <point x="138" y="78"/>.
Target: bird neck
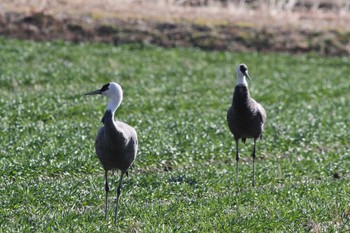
<point x="111" y="130"/>
<point x="113" y="104"/>
<point x="108" y="117"/>
<point x="242" y="80"/>
<point x="240" y="95"/>
<point x="111" y="108"/>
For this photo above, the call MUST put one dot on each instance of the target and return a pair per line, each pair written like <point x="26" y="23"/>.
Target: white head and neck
<point x="242" y="75"/>
<point x="114" y="92"/>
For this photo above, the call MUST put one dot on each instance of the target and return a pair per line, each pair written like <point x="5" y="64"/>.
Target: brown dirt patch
<point x="211" y="28"/>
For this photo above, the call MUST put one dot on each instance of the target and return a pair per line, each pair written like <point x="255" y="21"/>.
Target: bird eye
<point x="105" y="87"/>
<point x="243" y="68"/>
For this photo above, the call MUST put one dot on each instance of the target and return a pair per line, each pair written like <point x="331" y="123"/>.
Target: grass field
<point x="184" y="177"/>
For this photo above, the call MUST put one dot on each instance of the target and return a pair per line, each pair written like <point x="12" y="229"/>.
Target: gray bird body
<point x="246" y="118"/>
<point x="116" y="144"/>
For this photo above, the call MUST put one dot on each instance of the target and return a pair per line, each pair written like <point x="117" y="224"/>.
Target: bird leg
<point x="118" y="195"/>
<point x="237" y="159"/>
<point x="107" y="189"/>
<point x="254" y="156"/>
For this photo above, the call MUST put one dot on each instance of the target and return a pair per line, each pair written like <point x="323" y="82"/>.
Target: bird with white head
<point x="246" y="118"/>
<point x="116" y="142"/>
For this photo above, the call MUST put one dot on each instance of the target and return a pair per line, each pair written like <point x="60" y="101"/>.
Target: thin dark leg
<point x="118" y="195"/>
<point x="107" y="190"/>
<point x="237" y="159"/>
<point x="254" y="156"/>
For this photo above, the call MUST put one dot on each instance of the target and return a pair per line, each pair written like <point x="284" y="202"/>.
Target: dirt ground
<point x="232" y="28"/>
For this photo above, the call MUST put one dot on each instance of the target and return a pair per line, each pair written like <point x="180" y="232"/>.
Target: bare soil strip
<point x="211" y="28"/>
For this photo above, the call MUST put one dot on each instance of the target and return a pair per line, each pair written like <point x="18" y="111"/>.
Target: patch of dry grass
<point x="305" y="14"/>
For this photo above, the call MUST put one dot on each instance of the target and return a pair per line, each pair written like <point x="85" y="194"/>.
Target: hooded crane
<point x="246" y="118"/>
<point x="116" y="141"/>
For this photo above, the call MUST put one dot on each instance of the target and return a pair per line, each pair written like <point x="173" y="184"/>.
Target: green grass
<point x="184" y="177"/>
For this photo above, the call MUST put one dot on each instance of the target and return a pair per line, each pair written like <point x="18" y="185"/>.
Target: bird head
<point x="242" y="75"/>
<point x="110" y="89"/>
<point x="113" y="91"/>
<point x="242" y="71"/>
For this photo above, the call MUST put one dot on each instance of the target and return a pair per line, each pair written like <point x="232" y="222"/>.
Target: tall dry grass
<point x="299" y="13"/>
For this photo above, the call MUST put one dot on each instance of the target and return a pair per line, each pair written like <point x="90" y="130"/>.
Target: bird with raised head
<point x="116" y="142"/>
<point x="246" y="118"/>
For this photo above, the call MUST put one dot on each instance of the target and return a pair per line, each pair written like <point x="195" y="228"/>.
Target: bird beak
<point x="247" y="75"/>
<point x="97" y="92"/>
